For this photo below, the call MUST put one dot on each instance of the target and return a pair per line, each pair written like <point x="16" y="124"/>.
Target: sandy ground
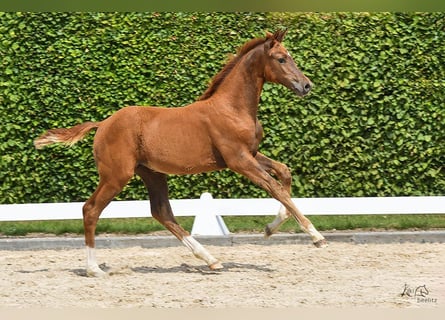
<point x="342" y="275"/>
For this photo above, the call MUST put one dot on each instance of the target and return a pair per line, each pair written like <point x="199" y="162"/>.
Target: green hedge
<point x="374" y="124"/>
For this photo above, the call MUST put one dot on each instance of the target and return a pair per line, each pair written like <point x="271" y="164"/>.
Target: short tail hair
<point x="66" y="136"/>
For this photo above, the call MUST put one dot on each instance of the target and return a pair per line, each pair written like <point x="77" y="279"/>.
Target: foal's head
<point x="281" y="68"/>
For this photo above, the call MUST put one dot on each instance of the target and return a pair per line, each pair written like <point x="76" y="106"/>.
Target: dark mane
<point x="220" y="76"/>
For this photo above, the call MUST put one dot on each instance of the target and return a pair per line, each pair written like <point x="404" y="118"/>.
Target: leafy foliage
<point x="374" y="124"/>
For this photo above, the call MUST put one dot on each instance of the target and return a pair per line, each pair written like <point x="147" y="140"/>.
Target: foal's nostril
<point x="307" y="87"/>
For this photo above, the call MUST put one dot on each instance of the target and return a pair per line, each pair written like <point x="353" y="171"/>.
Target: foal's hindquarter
<point x="151" y="142"/>
<point x="220" y="130"/>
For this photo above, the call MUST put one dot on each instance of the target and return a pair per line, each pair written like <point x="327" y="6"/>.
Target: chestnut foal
<point x="220" y="130"/>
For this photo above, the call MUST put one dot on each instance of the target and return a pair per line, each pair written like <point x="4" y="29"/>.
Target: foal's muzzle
<point x="302" y="88"/>
<point x="307" y="87"/>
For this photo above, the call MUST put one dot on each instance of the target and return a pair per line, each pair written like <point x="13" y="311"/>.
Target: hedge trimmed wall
<point x="374" y="124"/>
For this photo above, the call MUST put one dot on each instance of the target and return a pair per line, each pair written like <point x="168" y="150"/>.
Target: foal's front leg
<point x="249" y="167"/>
<point x="282" y="172"/>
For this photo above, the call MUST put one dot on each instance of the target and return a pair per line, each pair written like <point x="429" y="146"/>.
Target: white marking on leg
<point x="200" y="252"/>
<point x="282" y="213"/>
<point x="315" y="235"/>
<point x="93" y="269"/>
<point x="281" y="217"/>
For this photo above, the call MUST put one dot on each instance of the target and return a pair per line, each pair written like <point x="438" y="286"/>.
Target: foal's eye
<point x="281" y="60"/>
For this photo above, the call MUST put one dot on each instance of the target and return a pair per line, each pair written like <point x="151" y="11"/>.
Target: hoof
<point x="96" y="272"/>
<point x="321" y="243"/>
<point x="216" y="266"/>
<point x="267" y="232"/>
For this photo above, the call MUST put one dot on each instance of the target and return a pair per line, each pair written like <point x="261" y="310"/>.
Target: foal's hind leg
<point x="156" y="184"/>
<point x="282" y="172"/>
<point x="109" y="186"/>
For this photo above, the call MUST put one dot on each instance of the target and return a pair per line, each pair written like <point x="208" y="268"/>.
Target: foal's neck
<point x="242" y="88"/>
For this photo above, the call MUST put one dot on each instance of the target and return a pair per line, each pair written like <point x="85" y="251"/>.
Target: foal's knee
<point x="286" y="176"/>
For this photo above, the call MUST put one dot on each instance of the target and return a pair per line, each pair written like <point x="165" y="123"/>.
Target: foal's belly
<point x="185" y="158"/>
<point x="169" y="166"/>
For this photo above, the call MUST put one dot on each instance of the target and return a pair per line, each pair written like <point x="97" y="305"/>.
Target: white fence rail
<point x="208" y="211"/>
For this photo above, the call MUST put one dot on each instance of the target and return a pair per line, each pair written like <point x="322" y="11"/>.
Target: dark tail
<point x="67" y="136"/>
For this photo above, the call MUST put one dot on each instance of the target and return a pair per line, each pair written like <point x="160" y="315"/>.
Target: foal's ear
<point x="269" y="35"/>
<point x="272" y="39"/>
<point x="279" y="35"/>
